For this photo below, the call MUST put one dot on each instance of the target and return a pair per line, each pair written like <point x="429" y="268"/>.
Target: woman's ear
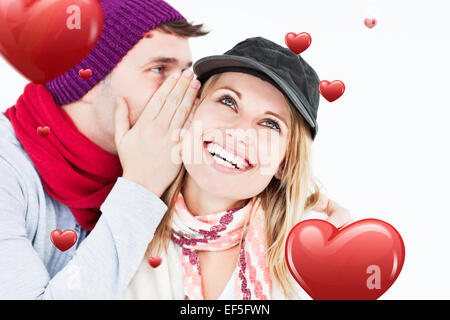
<point x="279" y="173"/>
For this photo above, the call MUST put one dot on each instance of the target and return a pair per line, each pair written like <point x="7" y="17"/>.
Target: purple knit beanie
<point x="125" y="23"/>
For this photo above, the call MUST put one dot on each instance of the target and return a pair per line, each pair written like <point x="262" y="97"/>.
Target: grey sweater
<point x="98" y="266"/>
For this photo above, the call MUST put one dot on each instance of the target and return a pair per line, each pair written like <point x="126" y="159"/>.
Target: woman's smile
<point x="225" y="160"/>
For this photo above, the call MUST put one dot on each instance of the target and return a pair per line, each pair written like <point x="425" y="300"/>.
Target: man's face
<point x="142" y="71"/>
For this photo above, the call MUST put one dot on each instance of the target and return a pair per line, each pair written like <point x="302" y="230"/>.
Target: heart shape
<point x="43" y="131"/>
<point x="298" y="42"/>
<point x="154" y="261"/>
<point x="361" y="261"/>
<point x="370" y="23"/>
<point x="331" y="90"/>
<point x="85" y="73"/>
<point x="43" y="39"/>
<point x="64" y="240"/>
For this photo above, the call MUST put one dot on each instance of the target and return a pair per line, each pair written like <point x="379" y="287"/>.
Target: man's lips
<point x="248" y="163"/>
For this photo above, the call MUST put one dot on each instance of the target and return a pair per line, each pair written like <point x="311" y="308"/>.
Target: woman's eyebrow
<point x="235" y="91"/>
<point x="267" y="112"/>
<point x="277" y="115"/>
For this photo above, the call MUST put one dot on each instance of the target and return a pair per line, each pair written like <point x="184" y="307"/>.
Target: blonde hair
<point x="284" y="201"/>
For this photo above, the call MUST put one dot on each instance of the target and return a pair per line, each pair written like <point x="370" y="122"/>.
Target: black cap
<point x="274" y="63"/>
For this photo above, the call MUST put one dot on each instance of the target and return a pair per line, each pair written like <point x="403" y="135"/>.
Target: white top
<point x="228" y="291"/>
<point x="167" y="281"/>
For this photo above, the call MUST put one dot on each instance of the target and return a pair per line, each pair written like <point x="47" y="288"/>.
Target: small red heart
<point x="154" y="261"/>
<point x="370" y="23"/>
<point x="43" y="131"/>
<point x="148" y="34"/>
<point x="331" y="90"/>
<point x="359" y="262"/>
<point x="63" y="240"/>
<point x="298" y="42"/>
<point x="85" y="73"/>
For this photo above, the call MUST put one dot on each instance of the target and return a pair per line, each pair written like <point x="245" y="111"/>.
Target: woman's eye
<point x="229" y="102"/>
<point x="273" y="124"/>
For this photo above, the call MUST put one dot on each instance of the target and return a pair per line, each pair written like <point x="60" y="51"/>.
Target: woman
<point x="246" y="181"/>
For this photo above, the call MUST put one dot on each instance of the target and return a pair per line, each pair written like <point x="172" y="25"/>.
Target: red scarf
<point x="73" y="170"/>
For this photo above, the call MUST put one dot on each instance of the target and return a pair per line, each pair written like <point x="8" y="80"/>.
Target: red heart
<point x="370" y="23"/>
<point x="361" y="261"/>
<point x="43" y="131"/>
<point x="331" y="90"/>
<point x="28" y="3"/>
<point x="43" y="39"/>
<point x="298" y="42"/>
<point x="154" y="261"/>
<point x="85" y="73"/>
<point x="63" y="240"/>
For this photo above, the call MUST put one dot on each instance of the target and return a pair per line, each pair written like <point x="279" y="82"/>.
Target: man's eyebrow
<point x="168" y="60"/>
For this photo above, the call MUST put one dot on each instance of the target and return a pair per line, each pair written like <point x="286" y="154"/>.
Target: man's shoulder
<point x="7" y="135"/>
<point x="13" y="158"/>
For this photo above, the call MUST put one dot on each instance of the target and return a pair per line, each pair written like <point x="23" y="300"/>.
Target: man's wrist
<point x="141" y="181"/>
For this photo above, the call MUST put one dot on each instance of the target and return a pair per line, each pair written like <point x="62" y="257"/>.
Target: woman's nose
<point x="239" y="135"/>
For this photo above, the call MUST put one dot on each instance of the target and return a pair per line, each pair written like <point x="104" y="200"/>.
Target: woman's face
<point x="238" y="137"/>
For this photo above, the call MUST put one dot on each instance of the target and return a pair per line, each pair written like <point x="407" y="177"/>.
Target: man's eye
<point x="272" y="124"/>
<point x="228" y="101"/>
<point x="157" y="69"/>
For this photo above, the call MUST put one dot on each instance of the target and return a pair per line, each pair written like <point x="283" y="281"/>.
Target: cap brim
<point x="208" y="64"/>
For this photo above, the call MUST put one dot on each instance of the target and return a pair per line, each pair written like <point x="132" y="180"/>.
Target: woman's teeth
<point x="225" y="158"/>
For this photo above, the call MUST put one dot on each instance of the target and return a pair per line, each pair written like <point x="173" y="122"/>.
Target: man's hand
<point x="338" y="216"/>
<point x="148" y="153"/>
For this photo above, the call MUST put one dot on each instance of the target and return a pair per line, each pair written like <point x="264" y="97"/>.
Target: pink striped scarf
<point x="221" y="231"/>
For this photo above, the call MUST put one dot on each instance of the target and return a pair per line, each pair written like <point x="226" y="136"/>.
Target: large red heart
<point x="359" y="262"/>
<point x="63" y="240"/>
<point x="298" y="42"/>
<point x="43" y="39"/>
<point x="331" y="90"/>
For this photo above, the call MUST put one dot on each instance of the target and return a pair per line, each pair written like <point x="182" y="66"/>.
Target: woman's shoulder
<point x="310" y="214"/>
<point x="162" y="282"/>
<point x="278" y="293"/>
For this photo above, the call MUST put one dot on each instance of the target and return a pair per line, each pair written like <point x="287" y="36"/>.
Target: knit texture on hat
<point x="125" y="23"/>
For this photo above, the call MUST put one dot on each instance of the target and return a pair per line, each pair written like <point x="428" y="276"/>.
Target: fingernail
<point x="195" y="84"/>
<point x="176" y="75"/>
<point x="196" y="101"/>
<point x="188" y="73"/>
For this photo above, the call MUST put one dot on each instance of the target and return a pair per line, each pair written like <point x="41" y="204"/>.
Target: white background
<point x="382" y="148"/>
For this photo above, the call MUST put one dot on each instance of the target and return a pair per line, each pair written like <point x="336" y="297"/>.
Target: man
<point x="59" y="168"/>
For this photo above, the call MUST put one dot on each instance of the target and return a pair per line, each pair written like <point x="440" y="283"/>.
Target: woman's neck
<point x="202" y="203"/>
